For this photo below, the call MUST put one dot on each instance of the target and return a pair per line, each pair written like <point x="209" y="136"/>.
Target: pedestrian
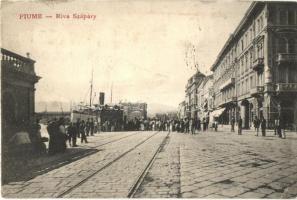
<point x="72" y="133"/>
<point x="215" y="124"/>
<point x="276" y="126"/>
<point x="256" y="125"/>
<point x="263" y="126"/>
<point x="92" y="126"/>
<point x="37" y="140"/>
<point x="88" y="127"/>
<point x="199" y="124"/>
<point x="239" y="123"/>
<point x="282" y="127"/>
<point x="83" y="137"/>
<point x="190" y="125"/>
<point x="77" y="124"/>
<point x="186" y="125"/>
<point x="62" y="137"/>
<point x="204" y="124"/>
<point x="232" y="124"/>
<point x="52" y="129"/>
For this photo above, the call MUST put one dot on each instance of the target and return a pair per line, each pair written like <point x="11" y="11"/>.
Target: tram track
<point x="115" y="140"/>
<point x="142" y="176"/>
<point x="46" y="167"/>
<point x="69" y="190"/>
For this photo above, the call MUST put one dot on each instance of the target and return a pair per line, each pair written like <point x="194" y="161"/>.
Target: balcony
<point x="286" y="87"/>
<point x="228" y="83"/>
<point x="257" y="91"/>
<point x="286" y="58"/>
<point x="228" y="100"/>
<point x="258" y="64"/>
<point x="13" y="62"/>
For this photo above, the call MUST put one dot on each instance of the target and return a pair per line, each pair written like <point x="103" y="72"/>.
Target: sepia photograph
<point x="149" y="99"/>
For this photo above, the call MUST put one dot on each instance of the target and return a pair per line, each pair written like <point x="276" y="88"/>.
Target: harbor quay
<point x="149" y="99"/>
<point x="162" y="164"/>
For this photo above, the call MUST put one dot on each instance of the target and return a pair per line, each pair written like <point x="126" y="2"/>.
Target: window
<point x="272" y="15"/>
<point x="260" y="51"/>
<point x="293" y="75"/>
<point x="242" y="67"/>
<point x="282" y="17"/>
<point x="251" y="58"/>
<point x="282" y="43"/>
<point x="258" y="26"/>
<point x="251" y="82"/>
<point x="291" y="44"/>
<point x="291" y="17"/>
<point x="242" y="47"/>
<point x="282" y="75"/>
<point x="246" y="62"/>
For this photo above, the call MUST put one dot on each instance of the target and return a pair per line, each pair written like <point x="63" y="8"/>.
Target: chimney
<point x="28" y="55"/>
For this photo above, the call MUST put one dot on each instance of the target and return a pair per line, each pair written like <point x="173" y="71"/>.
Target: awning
<point x="217" y="113"/>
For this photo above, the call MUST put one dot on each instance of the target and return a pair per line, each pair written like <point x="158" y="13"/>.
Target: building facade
<point x="255" y="74"/>
<point x="181" y="112"/>
<point x="134" y="110"/>
<point x="18" y="81"/>
<point x="191" y="101"/>
<point x="205" y="98"/>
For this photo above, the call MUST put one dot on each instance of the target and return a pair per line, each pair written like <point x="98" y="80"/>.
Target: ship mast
<point x="111" y="92"/>
<point x="91" y="89"/>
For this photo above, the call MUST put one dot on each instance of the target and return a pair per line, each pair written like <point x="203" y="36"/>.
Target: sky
<point x="137" y="48"/>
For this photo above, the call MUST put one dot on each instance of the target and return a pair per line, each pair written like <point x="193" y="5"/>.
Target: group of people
<point x="60" y="132"/>
<point x="260" y="123"/>
<point x="257" y="124"/>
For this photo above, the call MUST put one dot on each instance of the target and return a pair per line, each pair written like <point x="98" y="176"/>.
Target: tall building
<point x="255" y="74"/>
<point x="204" y="97"/>
<point x="191" y="94"/>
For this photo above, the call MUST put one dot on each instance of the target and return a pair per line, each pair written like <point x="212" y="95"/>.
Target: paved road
<point x="206" y="165"/>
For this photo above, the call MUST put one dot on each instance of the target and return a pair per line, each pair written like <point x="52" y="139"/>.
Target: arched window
<point x="291" y="45"/>
<point x="282" y="45"/>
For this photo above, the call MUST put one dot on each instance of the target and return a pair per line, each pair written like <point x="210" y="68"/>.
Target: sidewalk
<point x="227" y="128"/>
<point x="15" y="170"/>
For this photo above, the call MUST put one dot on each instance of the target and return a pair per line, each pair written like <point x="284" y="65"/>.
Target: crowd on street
<point x="61" y="131"/>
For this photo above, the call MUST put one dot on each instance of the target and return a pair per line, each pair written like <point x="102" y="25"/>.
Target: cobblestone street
<point x="158" y="164"/>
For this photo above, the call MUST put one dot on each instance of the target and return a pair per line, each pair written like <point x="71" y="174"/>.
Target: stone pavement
<point x="205" y="165"/>
<point x="27" y="168"/>
<point x="226" y="165"/>
<point x="163" y="178"/>
<point x="57" y="181"/>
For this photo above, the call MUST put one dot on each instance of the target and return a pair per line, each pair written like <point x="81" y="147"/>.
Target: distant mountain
<point x="154" y="108"/>
<point x="52" y="106"/>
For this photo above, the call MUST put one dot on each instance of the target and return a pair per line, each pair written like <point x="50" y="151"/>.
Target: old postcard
<point x="148" y="99"/>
